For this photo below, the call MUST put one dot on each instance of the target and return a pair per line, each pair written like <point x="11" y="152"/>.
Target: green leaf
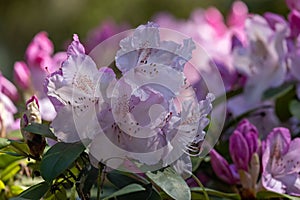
<point x="7" y="159"/>
<point x="4" y="142"/>
<point x="126" y="190"/>
<point x="269" y="194"/>
<point x="10" y="171"/>
<point x="59" y="158"/>
<point x="197" y="193"/>
<point x="40" y="129"/>
<point x="20" y="147"/>
<point x="274" y="93"/>
<point x="15" y="190"/>
<point x="294" y="108"/>
<point x="122" y="179"/>
<point x="171" y="183"/>
<point x="35" y="192"/>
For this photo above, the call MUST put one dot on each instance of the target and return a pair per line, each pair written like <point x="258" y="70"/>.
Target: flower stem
<point x="200" y="184"/>
<point x="99" y="181"/>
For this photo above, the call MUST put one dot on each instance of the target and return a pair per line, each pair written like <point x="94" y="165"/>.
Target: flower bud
<point x="39" y="50"/>
<point x="22" y="75"/>
<point x="294" y="19"/>
<point x="36" y="143"/>
<point x="239" y="150"/>
<point x="227" y="173"/>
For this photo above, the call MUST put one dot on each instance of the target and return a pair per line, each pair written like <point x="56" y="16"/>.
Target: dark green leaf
<point x="197" y="193"/>
<point x="282" y="106"/>
<point x="270" y="194"/>
<point x="274" y="93"/>
<point x="35" y="192"/>
<point x="40" y="129"/>
<point x="122" y="179"/>
<point x="126" y="190"/>
<point x="171" y="183"/>
<point x="295" y="108"/>
<point x="58" y="158"/>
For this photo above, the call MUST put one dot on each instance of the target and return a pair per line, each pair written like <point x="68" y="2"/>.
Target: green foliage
<point x="40" y="129"/>
<point x="126" y="190"/>
<point x="171" y="183"/>
<point x="270" y="194"/>
<point x="197" y="193"/>
<point x="59" y="158"/>
<point x="35" y="192"/>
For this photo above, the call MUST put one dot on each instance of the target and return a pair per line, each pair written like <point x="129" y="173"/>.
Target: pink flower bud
<point x="39" y="51"/>
<point x="294" y="19"/>
<point x="22" y="75"/>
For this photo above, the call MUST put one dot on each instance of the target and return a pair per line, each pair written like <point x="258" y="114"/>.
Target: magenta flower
<point x="293" y="4"/>
<point x="40" y="62"/>
<point x="8" y="88"/>
<point x="281" y="162"/>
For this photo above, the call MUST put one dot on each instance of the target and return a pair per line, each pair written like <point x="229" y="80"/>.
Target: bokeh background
<point x="21" y="20"/>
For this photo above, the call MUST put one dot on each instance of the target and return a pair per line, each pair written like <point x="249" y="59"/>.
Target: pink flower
<point x="40" y="62"/>
<point x="281" y="162"/>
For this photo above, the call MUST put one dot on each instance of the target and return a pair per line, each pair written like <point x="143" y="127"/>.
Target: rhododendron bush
<point x="172" y="109"/>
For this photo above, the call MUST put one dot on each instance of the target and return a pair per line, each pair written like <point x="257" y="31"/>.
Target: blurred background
<point x="21" y="20"/>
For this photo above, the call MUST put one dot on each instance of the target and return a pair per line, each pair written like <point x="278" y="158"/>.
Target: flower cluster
<point x="142" y="116"/>
<point x="151" y="110"/>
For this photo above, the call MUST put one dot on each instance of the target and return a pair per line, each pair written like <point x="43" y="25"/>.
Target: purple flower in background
<point x="227" y="173"/>
<point x="281" y="162"/>
<point x="208" y="29"/>
<point x="293" y="4"/>
<point x="262" y="60"/>
<point x="104" y="31"/>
